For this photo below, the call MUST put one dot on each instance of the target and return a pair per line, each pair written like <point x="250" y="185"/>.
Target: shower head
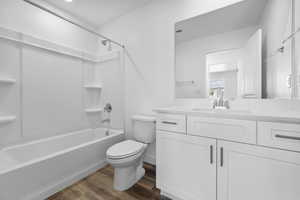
<point x="105" y="43"/>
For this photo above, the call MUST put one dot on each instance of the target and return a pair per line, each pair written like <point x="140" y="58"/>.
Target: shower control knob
<point x="108" y="108"/>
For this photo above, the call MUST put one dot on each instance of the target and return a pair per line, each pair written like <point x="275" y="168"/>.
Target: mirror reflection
<point x="240" y="51"/>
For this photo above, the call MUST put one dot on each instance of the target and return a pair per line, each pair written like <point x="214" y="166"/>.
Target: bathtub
<point x="36" y="170"/>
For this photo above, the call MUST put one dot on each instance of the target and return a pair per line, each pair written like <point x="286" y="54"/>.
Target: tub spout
<point x="106" y="120"/>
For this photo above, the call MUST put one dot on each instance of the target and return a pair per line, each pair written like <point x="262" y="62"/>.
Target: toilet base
<point x="126" y="177"/>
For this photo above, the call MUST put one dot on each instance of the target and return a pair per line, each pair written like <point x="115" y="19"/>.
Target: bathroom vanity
<point x="205" y="154"/>
<point x="235" y="55"/>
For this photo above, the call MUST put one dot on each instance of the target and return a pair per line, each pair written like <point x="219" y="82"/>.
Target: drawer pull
<point x="170" y="123"/>
<point x="222" y="157"/>
<point x="287" y="137"/>
<point x="211" y="154"/>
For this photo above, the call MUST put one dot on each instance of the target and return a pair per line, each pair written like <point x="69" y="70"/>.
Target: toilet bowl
<point x="127" y="162"/>
<point x="127" y="157"/>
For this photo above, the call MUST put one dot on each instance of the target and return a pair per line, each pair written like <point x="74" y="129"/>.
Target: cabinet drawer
<point x="279" y="135"/>
<point x="227" y="129"/>
<point x="174" y="123"/>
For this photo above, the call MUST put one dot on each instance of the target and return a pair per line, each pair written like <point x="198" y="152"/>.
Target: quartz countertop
<point x="274" y="116"/>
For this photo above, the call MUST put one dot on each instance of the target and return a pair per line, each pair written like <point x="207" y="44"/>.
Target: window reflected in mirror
<point x="240" y="51"/>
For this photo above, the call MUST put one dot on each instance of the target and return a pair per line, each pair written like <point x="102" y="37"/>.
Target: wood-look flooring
<point x="99" y="186"/>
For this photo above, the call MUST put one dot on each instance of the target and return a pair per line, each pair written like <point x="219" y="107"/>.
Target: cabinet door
<point x="186" y="166"/>
<point x="257" y="173"/>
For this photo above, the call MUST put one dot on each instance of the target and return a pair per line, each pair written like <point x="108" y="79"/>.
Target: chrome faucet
<point x="107" y="109"/>
<point x="219" y="102"/>
<point x="107" y="120"/>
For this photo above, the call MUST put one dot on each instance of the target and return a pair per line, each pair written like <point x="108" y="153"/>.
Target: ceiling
<point x="97" y="12"/>
<point x="237" y="16"/>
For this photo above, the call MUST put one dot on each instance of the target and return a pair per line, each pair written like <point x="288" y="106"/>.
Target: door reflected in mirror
<point x="237" y="51"/>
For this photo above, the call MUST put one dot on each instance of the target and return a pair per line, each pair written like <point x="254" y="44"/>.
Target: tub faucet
<point x="107" y="120"/>
<point x="107" y="132"/>
<point x="107" y="109"/>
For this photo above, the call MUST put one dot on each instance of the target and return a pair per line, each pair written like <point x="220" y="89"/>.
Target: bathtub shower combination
<point x="36" y="170"/>
<point x="53" y="118"/>
<point x="62" y="101"/>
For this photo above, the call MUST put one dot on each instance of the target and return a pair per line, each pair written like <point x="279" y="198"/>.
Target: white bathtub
<point x="36" y="170"/>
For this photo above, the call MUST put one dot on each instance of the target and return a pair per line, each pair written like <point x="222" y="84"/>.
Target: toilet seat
<point x="125" y="149"/>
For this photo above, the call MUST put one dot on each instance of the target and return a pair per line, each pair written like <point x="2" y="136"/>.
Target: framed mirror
<point x="243" y="51"/>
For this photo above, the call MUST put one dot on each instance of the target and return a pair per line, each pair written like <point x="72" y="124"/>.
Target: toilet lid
<point x="125" y="149"/>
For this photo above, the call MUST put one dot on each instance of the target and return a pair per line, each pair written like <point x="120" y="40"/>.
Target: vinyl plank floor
<point x="99" y="186"/>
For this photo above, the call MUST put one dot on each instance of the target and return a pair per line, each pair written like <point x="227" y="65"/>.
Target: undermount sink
<point x="228" y="111"/>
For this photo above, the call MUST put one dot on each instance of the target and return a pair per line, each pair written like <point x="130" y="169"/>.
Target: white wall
<point x="276" y="66"/>
<point x="111" y="73"/>
<point x="148" y="34"/>
<point x="191" y="61"/>
<point x="51" y="94"/>
<point x="20" y="16"/>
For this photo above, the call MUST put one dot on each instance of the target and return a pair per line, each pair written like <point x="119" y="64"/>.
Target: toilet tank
<point x="144" y="128"/>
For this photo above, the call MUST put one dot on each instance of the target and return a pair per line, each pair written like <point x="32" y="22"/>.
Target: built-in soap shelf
<point x="7" y="81"/>
<point x="94" y="110"/>
<point x="224" y="71"/>
<point x="93" y="97"/>
<point x="94" y="86"/>
<point x="7" y="119"/>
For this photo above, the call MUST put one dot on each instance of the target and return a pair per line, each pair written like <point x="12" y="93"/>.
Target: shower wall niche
<point x="10" y="79"/>
<point x="103" y="83"/>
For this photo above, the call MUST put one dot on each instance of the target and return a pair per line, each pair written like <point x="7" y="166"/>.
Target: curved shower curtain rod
<point x="72" y="22"/>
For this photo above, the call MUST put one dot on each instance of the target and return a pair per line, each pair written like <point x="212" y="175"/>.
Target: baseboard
<point x="167" y="196"/>
<point x="47" y="192"/>
<point x="150" y="159"/>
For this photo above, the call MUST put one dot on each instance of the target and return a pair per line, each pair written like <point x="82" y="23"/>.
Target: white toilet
<point x="127" y="157"/>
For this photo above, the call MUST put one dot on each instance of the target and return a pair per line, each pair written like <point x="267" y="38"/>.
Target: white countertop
<point x="283" y="117"/>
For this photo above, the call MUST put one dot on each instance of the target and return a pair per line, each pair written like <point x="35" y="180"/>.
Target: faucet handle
<point x="108" y="108"/>
<point x="226" y="104"/>
<point x="214" y="103"/>
<point x="108" y="120"/>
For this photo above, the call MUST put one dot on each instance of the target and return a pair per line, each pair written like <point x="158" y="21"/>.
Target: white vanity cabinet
<point x="227" y="129"/>
<point x="257" y="173"/>
<point x="279" y="135"/>
<point x="186" y="166"/>
<point x="173" y="123"/>
<point x="229" y="159"/>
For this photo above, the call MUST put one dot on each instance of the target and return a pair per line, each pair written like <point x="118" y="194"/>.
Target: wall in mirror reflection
<point x="238" y="51"/>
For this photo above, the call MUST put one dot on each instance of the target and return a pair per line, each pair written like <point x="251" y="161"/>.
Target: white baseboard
<point x="169" y="195"/>
<point x="47" y="192"/>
